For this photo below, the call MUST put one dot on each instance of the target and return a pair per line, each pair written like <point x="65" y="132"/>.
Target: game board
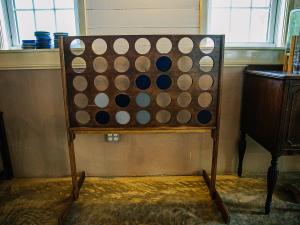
<point x="143" y="83"/>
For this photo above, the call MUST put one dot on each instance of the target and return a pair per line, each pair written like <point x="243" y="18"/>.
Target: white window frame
<point x="276" y="31"/>
<point x="11" y="19"/>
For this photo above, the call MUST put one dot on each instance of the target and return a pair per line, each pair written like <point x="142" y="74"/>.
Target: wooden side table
<point x="271" y="116"/>
<point x="7" y="172"/>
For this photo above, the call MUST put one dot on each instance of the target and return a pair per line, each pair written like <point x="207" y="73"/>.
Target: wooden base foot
<point x="71" y="199"/>
<point x="217" y="199"/>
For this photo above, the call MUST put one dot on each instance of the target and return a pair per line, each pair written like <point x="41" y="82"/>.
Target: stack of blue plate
<point x="43" y="39"/>
<point x="57" y="35"/>
<point x="28" y="44"/>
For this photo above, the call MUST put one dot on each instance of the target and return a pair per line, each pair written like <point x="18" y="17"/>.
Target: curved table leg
<point x="242" y="150"/>
<point x="272" y="179"/>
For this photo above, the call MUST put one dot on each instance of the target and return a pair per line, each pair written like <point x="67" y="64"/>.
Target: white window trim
<point x="276" y="36"/>
<point x="11" y="20"/>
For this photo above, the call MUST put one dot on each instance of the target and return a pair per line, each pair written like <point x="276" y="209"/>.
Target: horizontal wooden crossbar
<point x="142" y="130"/>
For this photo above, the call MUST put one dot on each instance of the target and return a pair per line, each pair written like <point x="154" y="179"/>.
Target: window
<point x="243" y="21"/>
<point x="28" y="16"/>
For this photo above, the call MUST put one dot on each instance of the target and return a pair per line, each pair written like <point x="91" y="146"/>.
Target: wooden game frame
<point x="214" y="127"/>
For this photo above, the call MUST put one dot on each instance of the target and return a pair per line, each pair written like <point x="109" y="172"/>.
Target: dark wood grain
<point x="272" y="180"/>
<point x="153" y="73"/>
<point x="262" y="107"/>
<point x="271" y="116"/>
<point x="291" y="130"/>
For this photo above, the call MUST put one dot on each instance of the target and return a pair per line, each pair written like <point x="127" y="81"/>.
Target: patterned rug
<point x="175" y="200"/>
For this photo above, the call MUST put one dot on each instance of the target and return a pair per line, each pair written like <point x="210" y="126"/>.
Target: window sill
<point x="16" y="59"/>
<point x="18" y="50"/>
<point x="270" y="48"/>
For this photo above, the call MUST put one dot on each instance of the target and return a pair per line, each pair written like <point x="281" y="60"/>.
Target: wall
<point x="142" y="17"/>
<point x="33" y="106"/>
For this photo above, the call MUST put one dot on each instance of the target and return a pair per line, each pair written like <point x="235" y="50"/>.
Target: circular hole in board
<point x="100" y="64"/>
<point x="121" y="46"/>
<point x="122" y="117"/>
<point x="122" y="82"/>
<point x="206" y="82"/>
<point x="101" y="100"/>
<point x="78" y="65"/>
<point x="164" y="63"/>
<point x="163" y="116"/>
<point x="205" y="99"/>
<point x="122" y="100"/>
<point x="142" y="46"/>
<point x="102" y="117"/>
<point x="80" y="83"/>
<point x="207" y="45"/>
<point x="163" y="82"/>
<point x="143" y="82"/>
<point x="206" y="64"/>
<point x="185" y="45"/>
<point x="185" y="63"/>
<point x="184" y="82"/>
<point x="204" y="116"/>
<point x="77" y="47"/>
<point x="101" y="82"/>
<point x="184" y="99"/>
<point x="143" y="100"/>
<point x="142" y="64"/>
<point x="164" y="45"/>
<point x="183" y="116"/>
<point x="121" y="64"/>
<point x="81" y="100"/>
<point x="163" y="99"/>
<point x="99" y="46"/>
<point x="82" y="117"/>
<point x="143" y="117"/>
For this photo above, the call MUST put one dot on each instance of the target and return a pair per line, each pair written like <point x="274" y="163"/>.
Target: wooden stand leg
<point x="76" y="184"/>
<point x="242" y="150"/>
<point x="211" y="182"/>
<point x="272" y="179"/>
<point x="73" y="165"/>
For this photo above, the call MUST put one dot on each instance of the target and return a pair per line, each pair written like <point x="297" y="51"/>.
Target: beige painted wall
<point x="33" y="106"/>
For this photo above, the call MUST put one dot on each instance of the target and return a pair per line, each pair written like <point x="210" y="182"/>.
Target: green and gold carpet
<point x="175" y="200"/>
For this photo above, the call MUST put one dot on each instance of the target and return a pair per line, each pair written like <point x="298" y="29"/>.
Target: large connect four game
<point x="139" y="81"/>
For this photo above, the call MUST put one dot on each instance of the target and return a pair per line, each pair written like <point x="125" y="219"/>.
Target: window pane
<point x="45" y="20"/>
<point x="218" y="15"/>
<point x="26" y="27"/>
<point x="259" y="25"/>
<point x="241" y="3"/>
<point x="261" y="3"/>
<point x="220" y="3"/>
<point x="65" y="20"/>
<point x="64" y="4"/>
<point x="23" y="4"/>
<point x="43" y="4"/>
<point x="239" y="28"/>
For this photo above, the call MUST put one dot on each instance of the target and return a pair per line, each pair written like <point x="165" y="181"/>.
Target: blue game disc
<point x="39" y="33"/>
<point x="28" y="41"/>
<point x="60" y="34"/>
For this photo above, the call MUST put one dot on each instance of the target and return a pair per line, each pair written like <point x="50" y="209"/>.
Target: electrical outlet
<point x="112" y="137"/>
